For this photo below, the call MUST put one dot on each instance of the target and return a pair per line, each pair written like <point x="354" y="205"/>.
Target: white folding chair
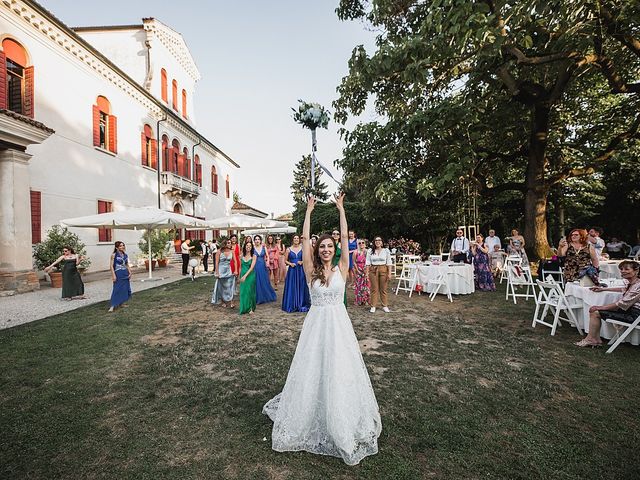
<point x="518" y="279"/>
<point x="408" y="279"/>
<point x="619" y="337"/>
<point x="554" y="274"/>
<point x="435" y="258"/>
<point x="440" y="281"/>
<point x="508" y="261"/>
<point x="552" y="300"/>
<point x="393" y="271"/>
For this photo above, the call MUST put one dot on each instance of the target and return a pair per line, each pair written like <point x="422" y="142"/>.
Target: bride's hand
<point x="311" y="203"/>
<point x="339" y="199"/>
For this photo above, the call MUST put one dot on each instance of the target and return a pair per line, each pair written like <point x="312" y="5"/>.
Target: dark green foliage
<point x="48" y="251"/>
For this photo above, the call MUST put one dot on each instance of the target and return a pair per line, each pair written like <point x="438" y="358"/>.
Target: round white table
<point x="459" y="277"/>
<point x="589" y="298"/>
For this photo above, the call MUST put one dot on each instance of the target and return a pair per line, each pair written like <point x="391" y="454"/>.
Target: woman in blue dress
<point x="226" y="276"/>
<point x="296" y="291"/>
<point x="121" y="275"/>
<point x="264" y="291"/>
<point x="353" y="247"/>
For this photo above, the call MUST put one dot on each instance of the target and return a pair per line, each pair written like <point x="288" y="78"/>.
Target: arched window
<point x="16" y="79"/>
<point x="105" y="126"/>
<point x="149" y="146"/>
<point x="198" y="170"/>
<point x="174" y="160"/>
<point x="184" y="103"/>
<point x="228" y="186"/>
<point x="214" y="179"/>
<point x="186" y="168"/>
<point x="163" y="85"/>
<point x="174" y="92"/>
<point x="165" y="153"/>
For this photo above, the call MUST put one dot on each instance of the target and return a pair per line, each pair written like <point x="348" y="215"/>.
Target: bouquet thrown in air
<point x="311" y="115"/>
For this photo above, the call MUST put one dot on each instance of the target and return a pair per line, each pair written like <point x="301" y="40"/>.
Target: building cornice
<point x="40" y="19"/>
<point x="21" y="131"/>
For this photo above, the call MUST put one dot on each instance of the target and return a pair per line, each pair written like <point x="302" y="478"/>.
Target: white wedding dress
<point x="327" y="405"/>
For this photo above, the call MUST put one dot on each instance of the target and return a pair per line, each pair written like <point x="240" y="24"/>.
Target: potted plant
<point x="159" y="242"/>
<point x="48" y="251"/>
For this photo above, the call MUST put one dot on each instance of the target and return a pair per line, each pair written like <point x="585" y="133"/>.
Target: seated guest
<point x="516" y="243"/>
<point x="496" y="257"/>
<point x="616" y="248"/>
<point x="626" y="309"/>
<point x="595" y="240"/>
<point x="459" y="247"/>
<point x="492" y="240"/>
<point x="483" y="276"/>
<point x="580" y="257"/>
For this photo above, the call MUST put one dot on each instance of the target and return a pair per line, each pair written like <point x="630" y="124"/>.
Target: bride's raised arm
<point x="307" y="249"/>
<point x="344" y="237"/>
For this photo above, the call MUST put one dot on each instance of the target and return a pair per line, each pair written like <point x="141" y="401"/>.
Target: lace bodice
<point x="331" y="294"/>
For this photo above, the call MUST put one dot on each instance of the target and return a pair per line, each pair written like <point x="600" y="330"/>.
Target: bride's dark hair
<point x="318" y="266"/>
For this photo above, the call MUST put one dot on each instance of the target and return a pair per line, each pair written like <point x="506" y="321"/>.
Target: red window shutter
<point x="143" y="144"/>
<point x="187" y="167"/>
<point x="184" y="103"/>
<point x="113" y="134"/>
<point x="28" y="100"/>
<point x="96" y="126"/>
<point x="154" y="154"/>
<point x="215" y="183"/>
<point x="165" y="157"/>
<point x="36" y="217"/>
<point x="3" y="80"/>
<point x="104" y="234"/>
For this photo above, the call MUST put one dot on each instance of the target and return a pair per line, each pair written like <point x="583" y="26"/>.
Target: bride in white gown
<point x="327" y="405"/>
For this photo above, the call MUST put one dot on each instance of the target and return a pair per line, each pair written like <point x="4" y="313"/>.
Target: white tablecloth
<point x="459" y="276"/>
<point x="609" y="269"/>
<point x="588" y="299"/>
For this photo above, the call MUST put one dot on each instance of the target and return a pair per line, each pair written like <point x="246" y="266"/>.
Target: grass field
<point x="173" y="388"/>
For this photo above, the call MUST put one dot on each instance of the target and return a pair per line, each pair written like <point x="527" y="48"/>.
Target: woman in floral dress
<point x="482" y="265"/>
<point x="580" y="258"/>
<point x="361" y="281"/>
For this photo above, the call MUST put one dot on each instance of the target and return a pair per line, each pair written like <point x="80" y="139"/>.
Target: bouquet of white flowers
<point x="311" y="115"/>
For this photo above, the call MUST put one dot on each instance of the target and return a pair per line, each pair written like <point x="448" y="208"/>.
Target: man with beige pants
<point x="377" y="266"/>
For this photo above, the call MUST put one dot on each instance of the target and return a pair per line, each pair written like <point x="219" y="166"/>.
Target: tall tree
<point x="520" y="96"/>
<point x="301" y="186"/>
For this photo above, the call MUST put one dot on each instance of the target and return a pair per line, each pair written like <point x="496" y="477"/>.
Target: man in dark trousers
<point x="185" y="248"/>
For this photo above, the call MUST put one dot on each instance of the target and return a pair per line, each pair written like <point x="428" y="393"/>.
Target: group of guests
<point x="486" y="254"/>
<point x="73" y="286"/>
<point x="258" y="270"/>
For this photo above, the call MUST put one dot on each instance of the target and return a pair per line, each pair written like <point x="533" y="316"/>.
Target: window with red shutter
<point x="113" y="134"/>
<point x="154" y="154"/>
<point x="104" y="234"/>
<point x="214" y="179"/>
<point x="36" y="217"/>
<point x="174" y="92"/>
<point x="3" y="81"/>
<point x="187" y="163"/>
<point x="163" y="85"/>
<point x="184" y="103"/>
<point x="228" y="185"/>
<point x="148" y="145"/>
<point x="27" y="100"/>
<point x="165" y="153"/>
<point x="144" y="152"/>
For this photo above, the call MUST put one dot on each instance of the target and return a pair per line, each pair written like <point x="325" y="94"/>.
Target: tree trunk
<point x="535" y="203"/>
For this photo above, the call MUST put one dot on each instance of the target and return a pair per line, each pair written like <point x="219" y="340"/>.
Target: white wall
<point x="70" y="172"/>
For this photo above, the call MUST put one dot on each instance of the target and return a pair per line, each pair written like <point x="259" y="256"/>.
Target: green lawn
<point x="173" y="388"/>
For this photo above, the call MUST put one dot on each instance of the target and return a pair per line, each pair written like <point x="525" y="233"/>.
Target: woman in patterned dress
<point x="362" y="284"/>
<point x="580" y="257"/>
<point x="273" y="253"/>
<point x="482" y="265"/>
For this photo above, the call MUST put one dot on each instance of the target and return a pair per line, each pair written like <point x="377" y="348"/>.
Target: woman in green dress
<point x="247" y="278"/>
<point x="72" y="286"/>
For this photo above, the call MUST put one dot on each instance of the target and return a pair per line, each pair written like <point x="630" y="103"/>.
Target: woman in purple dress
<point x="482" y="265"/>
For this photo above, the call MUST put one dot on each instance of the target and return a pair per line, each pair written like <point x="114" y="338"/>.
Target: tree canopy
<point x="532" y="102"/>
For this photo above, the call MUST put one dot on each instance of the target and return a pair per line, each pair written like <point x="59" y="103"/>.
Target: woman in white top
<point x="378" y="267"/>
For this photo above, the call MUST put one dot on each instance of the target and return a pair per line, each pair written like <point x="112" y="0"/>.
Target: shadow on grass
<point x="173" y="388"/>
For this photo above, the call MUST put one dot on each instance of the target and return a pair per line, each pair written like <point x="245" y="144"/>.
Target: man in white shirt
<point x="185" y="249"/>
<point x="595" y="240"/>
<point x="459" y="247"/>
<point x="492" y="240"/>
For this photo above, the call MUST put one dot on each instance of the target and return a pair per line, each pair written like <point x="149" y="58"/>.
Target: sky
<point x="256" y="59"/>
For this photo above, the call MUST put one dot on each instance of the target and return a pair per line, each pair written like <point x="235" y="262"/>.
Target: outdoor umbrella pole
<point x="149" y="242"/>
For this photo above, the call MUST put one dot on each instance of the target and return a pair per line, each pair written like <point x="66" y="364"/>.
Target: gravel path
<point x="27" y="307"/>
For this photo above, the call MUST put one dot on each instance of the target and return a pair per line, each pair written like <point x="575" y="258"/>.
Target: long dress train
<point x="295" y="297"/>
<point x="327" y="405"/>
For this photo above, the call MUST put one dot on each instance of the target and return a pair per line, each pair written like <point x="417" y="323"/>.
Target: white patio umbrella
<point x="147" y="218"/>
<point x="257" y="231"/>
<point x="239" y="220"/>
